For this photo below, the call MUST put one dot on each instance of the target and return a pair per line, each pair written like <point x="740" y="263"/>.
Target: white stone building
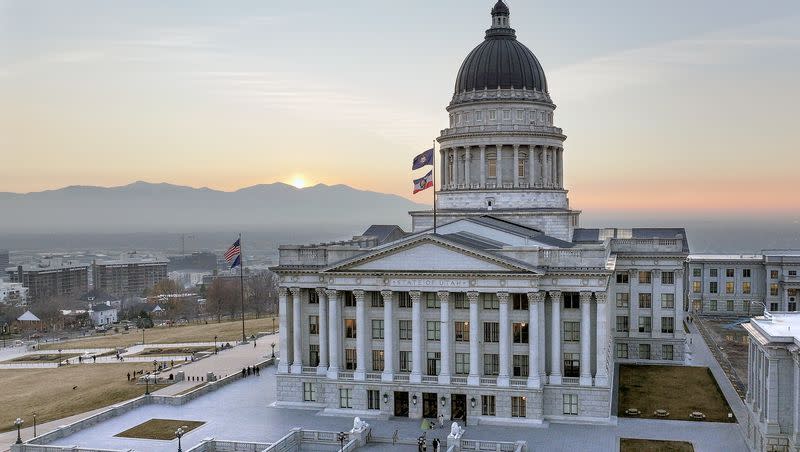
<point x="507" y="312"/>
<point x="103" y="314"/>
<point x="13" y="293"/>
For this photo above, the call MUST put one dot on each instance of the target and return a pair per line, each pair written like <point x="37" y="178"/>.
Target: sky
<point x="682" y="106"/>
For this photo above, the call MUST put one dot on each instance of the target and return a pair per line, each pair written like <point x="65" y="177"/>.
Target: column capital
<point x="331" y="292"/>
<point x="295" y="291"/>
<point x="586" y="297"/>
<point x="387" y="295"/>
<point x="535" y="297"/>
<point x="482" y="147"/>
<point x="502" y="297"/>
<point x="472" y="297"/>
<point x="633" y="272"/>
<point x="601" y="297"/>
<point x="656" y="273"/>
<point x="443" y="295"/>
<point x="283" y="291"/>
<point x="358" y="294"/>
<point x="554" y="294"/>
<point x="415" y="295"/>
<point x="321" y="291"/>
<point x="516" y="147"/>
<point x="678" y="273"/>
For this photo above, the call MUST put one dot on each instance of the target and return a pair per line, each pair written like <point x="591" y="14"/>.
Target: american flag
<point x="234" y="251"/>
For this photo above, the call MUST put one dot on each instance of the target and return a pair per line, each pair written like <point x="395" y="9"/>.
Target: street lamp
<point x="34" y="425"/>
<point x="147" y="384"/>
<point x="273" y="349"/>
<point x="215" y="345"/>
<point x="18" y="423"/>
<point x="59" y="356"/>
<point x="179" y="433"/>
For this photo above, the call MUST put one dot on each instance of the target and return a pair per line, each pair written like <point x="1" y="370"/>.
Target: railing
<point x="309" y="370"/>
<point x="489" y="381"/>
<point x="430" y="379"/>
<point x="501" y="128"/>
<point x="373" y="376"/>
<point x="503" y="446"/>
<point x="570" y="380"/>
<point x="458" y="380"/>
<point x="401" y="378"/>
<point x="517" y="382"/>
<point x="662" y="245"/>
<point x="292" y="255"/>
<point x="345" y="375"/>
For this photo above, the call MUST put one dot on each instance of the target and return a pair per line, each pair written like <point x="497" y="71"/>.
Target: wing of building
<point x="509" y="312"/>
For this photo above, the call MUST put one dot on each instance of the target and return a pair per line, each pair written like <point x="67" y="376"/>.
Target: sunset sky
<point x="669" y="106"/>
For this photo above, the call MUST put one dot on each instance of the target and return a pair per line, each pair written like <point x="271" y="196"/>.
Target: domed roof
<point x="500" y="8"/>
<point x="500" y="61"/>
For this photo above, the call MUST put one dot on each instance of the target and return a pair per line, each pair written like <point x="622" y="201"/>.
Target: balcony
<point x="522" y="128"/>
<point x="571" y="381"/>
<point x="647" y="245"/>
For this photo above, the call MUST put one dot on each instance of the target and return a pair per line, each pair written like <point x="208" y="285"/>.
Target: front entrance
<point x="458" y="408"/>
<point x="401" y="404"/>
<point x="429" y="408"/>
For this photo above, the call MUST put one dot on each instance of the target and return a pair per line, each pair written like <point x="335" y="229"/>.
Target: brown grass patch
<point x="163" y="429"/>
<point x="42" y="358"/>
<point x="652" y="445"/>
<point x="173" y="351"/>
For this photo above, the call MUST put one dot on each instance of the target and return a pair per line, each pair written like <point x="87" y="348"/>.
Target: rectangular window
<point x="622" y="277"/>
<point x="349" y="300"/>
<point x="697" y="272"/>
<point x="375" y="299"/>
<point x="433" y="363"/>
<point x="487" y="405"/>
<point x="729" y="287"/>
<point x="621" y="351"/>
<point x="519" y="301"/>
<point x="572" y="331"/>
<point x="729" y="305"/>
<point x="433" y="330"/>
<point x="405" y="330"/>
<point x="667" y="277"/>
<point x="713" y="305"/>
<point x="506" y="115"/>
<point x="346" y="398"/>
<point x="773" y="274"/>
<point x="403" y="300"/>
<point x="313" y="297"/>
<point x="713" y="272"/>
<point x="644" y="351"/>
<point x="313" y="355"/>
<point x="309" y="392"/>
<point x="773" y="289"/>
<point x="490" y="301"/>
<point x="491" y="332"/>
<point x="792" y="272"/>
<point x="571" y="404"/>
<point x="491" y="167"/>
<point x="350" y="359"/>
<point x="792" y="306"/>
<point x="518" y="406"/>
<point x="645" y="324"/>
<point x="622" y="324"/>
<point x="492" y="115"/>
<point x="377" y="329"/>
<point x="431" y="300"/>
<point x="491" y="364"/>
<point x="572" y="300"/>
<point x="520" y="115"/>
<point x="667" y="300"/>
<point x="462" y="363"/>
<point x="520" y="333"/>
<point x="462" y="331"/>
<point x="729" y="273"/>
<point x="623" y="300"/>
<point x="773" y="306"/>
<point x="645" y="277"/>
<point x="572" y="364"/>
<point x="350" y="328"/>
<point x="521" y="168"/>
<point x="667" y="352"/>
<point x="697" y="286"/>
<point x="405" y="361"/>
<point x="373" y="399"/>
<point x="746" y="287"/>
<point x="460" y="301"/>
<point x="520" y="365"/>
<point x="313" y="324"/>
<point x="478" y="116"/>
<point x="668" y="325"/>
<point x="645" y="300"/>
<point x="377" y="360"/>
<point x="712" y="287"/>
<point x="745" y="273"/>
<point x="746" y="306"/>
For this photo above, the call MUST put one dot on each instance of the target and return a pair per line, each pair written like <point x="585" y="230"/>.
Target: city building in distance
<point x="54" y="277"/>
<point x="129" y="276"/>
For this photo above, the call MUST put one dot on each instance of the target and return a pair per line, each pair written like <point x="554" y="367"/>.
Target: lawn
<point x="167" y="351"/>
<point x="651" y="445"/>
<point x="49" y="391"/>
<point x="677" y="389"/>
<point x="163" y="429"/>
<point x="42" y="358"/>
<point x="225" y="332"/>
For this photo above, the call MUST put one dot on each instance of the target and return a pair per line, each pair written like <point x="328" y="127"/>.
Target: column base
<point x="297" y="368"/>
<point x="387" y="377"/>
<point x="444" y="379"/>
<point x="283" y="368"/>
<point x="601" y="380"/>
<point x="534" y="382"/>
<point x="473" y="380"/>
<point x="333" y="373"/>
<point x="359" y="375"/>
<point x="322" y="370"/>
<point x="555" y="379"/>
<point x="585" y="380"/>
<point x="415" y="378"/>
<point x="503" y="381"/>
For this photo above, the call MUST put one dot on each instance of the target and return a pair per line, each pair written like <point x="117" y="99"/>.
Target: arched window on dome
<point x="521" y="164"/>
<point x="491" y="165"/>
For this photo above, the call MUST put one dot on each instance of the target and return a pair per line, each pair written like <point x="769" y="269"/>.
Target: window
<point x="521" y="167"/>
<point x="491" y="364"/>
<point x="712" y="287"/>
<point x="745" y="273"/>
<point x="622" y="277"/>
<point x="405" y="361"/>
<point x="434" y="331"/>
<point x="377" y="360"/>
<point x="506" y="115"/>
<point x="571" y="404"/>
<point x="491" y="170"/>
<point x="520" y="333"/>
<point x="792" y="306"/>
<point x="773" y="289"/>
<point x="490" y="301"/>
<point x="572" y="331"/>
<point x="346" y="398"/>
<point x="375" y="299"/>
<point x="462" y="331"/>
<point x="404" y="300"/>
<point x="697" y="286"/>
<point x="462" y="363"/>
<point x="478" y="116"/>
<point x="487" y="405"/>
<point x="622" y="323"/>
<point x="623" y="300"/>
<point x="433" y="361"/>
<point x="405" y="330"/>
<point x="377" y="329"/>
<point x="713" y="272"/>
<point x="729" y="287"/>
<point x="667" y="277"/>
<point x="792" y="272"/>
<point x="373" y="399"/>
<point x="644" y="351"/>
<point x="729" y="305"/>
<point x="729" y="273"/>
<point x="350" y="359"/>
<point x="667" y="352"/>
<point x="350" y="328"/>
<point x="518" y="405"/>
<point x="519" y="301"/>
<point x="746" y="306"/>
<point x="746" y="287"/>
<point x="572" y="364"/>
<point x="645" y="277"/>
<point x="491" y="332"/>
<point x="313" y="324"/>
<point x="645" y="300"/>
<point x="572" y="300"/>
<point x="520" y="115"/>
<point x="460" y="301"/>
<point x="773" y="306"/>
<point x="349" y="300"/>
<point x="458" y="118"/>
<point x="667" y="300"/>
<point x="621" y="351"/>
<point x="645" y="324"/>
<point x="520" y="365"/>
<point x="431" y="300"/>
<point x="668" y="325"/>
<point x="713" y="305"/>
<point x="697" y="272"/>
<point x="468" y="117"/>
<point x="492" y="115"/>
<point x="773" y="274"/>
<point x="313" y="297"/>
<point x="313" y="355"/>
<point x="309" y="392"/>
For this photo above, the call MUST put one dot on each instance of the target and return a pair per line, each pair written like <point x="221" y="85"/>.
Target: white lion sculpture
<point x="455" y="431"/>
<point x="359" y="425"/>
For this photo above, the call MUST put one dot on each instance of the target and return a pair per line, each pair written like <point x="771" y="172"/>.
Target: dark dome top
<point x="500" y="8"/>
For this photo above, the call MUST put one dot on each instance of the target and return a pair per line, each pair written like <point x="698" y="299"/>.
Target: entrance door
<point x="401" y="404"/>
<point x="429" y="408"/>
<point x="458" y="408"/>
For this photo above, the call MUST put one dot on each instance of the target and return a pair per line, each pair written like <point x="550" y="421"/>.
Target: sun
<point x="299" y="182"/>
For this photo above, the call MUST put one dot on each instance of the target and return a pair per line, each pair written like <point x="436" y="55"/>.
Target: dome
<point x="500" y="61"/>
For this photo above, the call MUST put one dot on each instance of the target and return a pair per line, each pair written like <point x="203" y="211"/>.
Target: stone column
<point x="531" y="166"/>
<point x="361" y="336"/>
<point x="474" y="378"/>
<point x="416" y="337"/>
<point x="335" y="336"/>
<point x="545" y="167"/>
<point x="444" y="301"/>
<point x="443" y="163"/>
<point x="679" y="314"/>
<point x="499" y="165"/>
<point x="516" y="166"/>
<point x="772" y="396"/>
<point x="283" y="334"/>
<point x="483" y="166"/>
<point x="560" y="167"/>
<point x="601" y="376"/>
<point x="297" y="332"/>
<point x="535" y="323"/>
<point x="322" y="369"/>
<point x="388" y="336"/>
<point x="586" y="339"/>
<point x="503" y="377"/>
<point x="554" y="167"/>
<point x="555" y="337"/>
<point x="796" y="402"/>
<point x="467" y="159"/>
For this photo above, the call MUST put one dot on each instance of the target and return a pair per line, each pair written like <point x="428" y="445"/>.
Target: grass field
<point x="677" y="389"/>
<point x="163" y="429"/>
<point x="49" y="392"/>
<point x="225" y="332"/>
<point x="42" y="358"/>
<point x="166" y="351"/>
<point x="651" y="445"/>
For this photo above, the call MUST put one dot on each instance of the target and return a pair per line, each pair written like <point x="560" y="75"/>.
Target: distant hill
<point x="146" y="207"/>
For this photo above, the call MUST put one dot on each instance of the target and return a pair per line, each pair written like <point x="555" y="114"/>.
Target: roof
<point x="581" y="235"/>
<point x="724" y="257"/>
<point x="28" y="317"/>
<point x="780" y="326"/>
<point x="384" y="232"/>
<point x="101" y="307"/>
<point x="500" y="8"/>
<point x="522" y="230"/>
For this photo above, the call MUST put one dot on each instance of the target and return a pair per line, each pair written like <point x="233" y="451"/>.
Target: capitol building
<point x="508" y="312"/>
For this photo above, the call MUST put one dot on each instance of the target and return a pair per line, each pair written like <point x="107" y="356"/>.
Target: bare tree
<point x="262" y="292"/>
<point x="222" y="296"/>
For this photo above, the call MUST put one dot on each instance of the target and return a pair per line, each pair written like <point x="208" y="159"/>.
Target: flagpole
<point x="434" y="185"/>
<point x="241" y="282"/>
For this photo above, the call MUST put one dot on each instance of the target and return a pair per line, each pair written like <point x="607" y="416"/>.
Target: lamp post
<point x="34" y="425"/>
<point x="273" y="349"/>
<point x="147" y="384"/>
<point x="142" y="332"/>
<point x="59" y="357"/>
<point x="179" y="434"/>
<point x="18" y="423"/>
<point x="215" y="345"/>
<point x="273" y="324"/>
